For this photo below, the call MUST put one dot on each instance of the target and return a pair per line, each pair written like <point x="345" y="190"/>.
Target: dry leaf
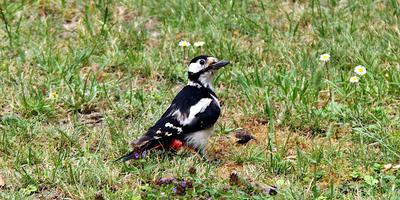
<point x="387" y="167"/>
<point x="396" y="167"/>
<point x="2" y="183"/>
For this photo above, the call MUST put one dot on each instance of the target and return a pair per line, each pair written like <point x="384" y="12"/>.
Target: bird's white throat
<point x="204" y="80"/>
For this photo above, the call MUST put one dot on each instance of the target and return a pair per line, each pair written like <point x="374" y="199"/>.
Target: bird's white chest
<point x="199" y="139"/>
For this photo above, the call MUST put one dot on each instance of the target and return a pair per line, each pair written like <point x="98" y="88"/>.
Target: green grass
<point x="79" y="81"/>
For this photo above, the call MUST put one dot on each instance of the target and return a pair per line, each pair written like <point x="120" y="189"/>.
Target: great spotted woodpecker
<point x="190" y="118"/>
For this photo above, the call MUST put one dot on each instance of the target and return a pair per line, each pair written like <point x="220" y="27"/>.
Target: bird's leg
<point x="202" y="153"/>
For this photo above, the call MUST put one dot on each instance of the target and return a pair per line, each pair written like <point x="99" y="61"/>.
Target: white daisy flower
<point x="199" y="44"/>
<point x="325" y="57"/>
<point x="184" y="43"/>
<point x="360" y="70"/>
<point x="354" y="79"/>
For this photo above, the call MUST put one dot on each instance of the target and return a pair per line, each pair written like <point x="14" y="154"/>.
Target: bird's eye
<point x="202" y="62"/>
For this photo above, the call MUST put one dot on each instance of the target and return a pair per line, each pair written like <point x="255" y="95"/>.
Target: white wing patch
<point x="195" y="67"/>
<point x="169" y="125"/>
<point x="199" y="107"/>
<point x="191" y="83"/>
<point x="168" y="133"/>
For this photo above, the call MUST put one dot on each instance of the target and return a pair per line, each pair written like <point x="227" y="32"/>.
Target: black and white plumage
<point x="191" y="116"/>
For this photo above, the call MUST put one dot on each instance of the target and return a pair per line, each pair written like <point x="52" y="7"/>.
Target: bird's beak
<point x="219" y="64"/>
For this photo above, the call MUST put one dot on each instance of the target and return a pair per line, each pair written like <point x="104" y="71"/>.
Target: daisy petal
<point x="325" y="57"/>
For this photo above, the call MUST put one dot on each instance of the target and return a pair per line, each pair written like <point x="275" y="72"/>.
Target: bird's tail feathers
<point x="140" y="146"/>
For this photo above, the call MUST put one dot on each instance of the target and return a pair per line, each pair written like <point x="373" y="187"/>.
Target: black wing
<point x="175" y="122"/>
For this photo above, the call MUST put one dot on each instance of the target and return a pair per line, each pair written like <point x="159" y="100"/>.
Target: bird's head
<point x="202" y="68"/>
